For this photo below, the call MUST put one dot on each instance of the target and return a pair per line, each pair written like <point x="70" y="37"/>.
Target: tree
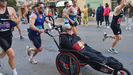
<point x="89" y="10"/>
<point x="12" y="3"/>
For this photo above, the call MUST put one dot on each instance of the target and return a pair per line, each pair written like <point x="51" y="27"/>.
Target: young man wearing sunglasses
<point x="36" y="21"/>
<point x="7" y="15"/>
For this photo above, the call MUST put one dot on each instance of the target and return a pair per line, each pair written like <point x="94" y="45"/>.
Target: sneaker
<point x="112" y="51"/>
<point x="28" y="52"/>
<point x="104" y="36"/>
<point x="108" y="27"/>
<point x="97" y="25"/>
<point x="33" y="61"/>
<point x="129" y="28"/>
<point x="126" y="28"/>
<point x="21" y="37"/>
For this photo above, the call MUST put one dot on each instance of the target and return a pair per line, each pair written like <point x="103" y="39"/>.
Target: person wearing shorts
<point x="72" y="11"/>
<point x="7" y="15"/>
<point x="17" y="26"/>
<point x="115" y="26"/>
<point x="36" y="22"/>
<point x="27" y="14"/>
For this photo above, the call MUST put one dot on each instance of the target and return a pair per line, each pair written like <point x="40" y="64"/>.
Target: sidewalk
<point x="93" y="23"/>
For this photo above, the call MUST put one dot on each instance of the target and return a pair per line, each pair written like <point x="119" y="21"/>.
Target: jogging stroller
<point x="68" y="61"/>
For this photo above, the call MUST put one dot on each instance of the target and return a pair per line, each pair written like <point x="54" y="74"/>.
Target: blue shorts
<point x="35" y="39"/>
<point x="14" y="24"/>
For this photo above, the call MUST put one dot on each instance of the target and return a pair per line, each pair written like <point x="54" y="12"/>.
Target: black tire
<point x="122" y="71"/>
<point x="67" y="64"/>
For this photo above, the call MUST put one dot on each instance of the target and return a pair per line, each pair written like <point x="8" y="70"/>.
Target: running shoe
<point x="104" y="36"/>
<point x="108" y="27"/>
<point x="33" y="61"/>
<point x="21" y="37"/>
<point x="130" y="28"/>
<point x="112" y="51"/>
<point x="97" y="25"/>
<point x="28" y="52"/>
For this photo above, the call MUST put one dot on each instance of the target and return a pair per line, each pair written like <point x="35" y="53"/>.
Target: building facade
<point x="23" y="6"/>
<point x="96" y="3"/>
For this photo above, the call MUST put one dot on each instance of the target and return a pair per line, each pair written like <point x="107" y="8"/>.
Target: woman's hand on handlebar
<point x="41" y="30"/>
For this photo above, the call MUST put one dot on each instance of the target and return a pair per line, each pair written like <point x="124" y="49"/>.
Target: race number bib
<point x="4" y="27"/>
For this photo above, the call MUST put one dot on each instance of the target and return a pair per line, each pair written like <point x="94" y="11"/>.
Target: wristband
<point x="40" y="31"/>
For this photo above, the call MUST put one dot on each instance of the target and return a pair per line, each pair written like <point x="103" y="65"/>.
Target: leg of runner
<point x="35" y="50"/>
<point x="117" y="38"/>
<point x="2" y="55"/>
<point x="17" y="26"/>
<point x="11" y="60"/>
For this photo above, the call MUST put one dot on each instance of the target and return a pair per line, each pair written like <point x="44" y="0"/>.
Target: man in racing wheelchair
<point x="68" y="40"/>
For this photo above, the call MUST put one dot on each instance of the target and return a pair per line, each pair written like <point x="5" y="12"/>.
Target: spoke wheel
<point x="67" y="64"/>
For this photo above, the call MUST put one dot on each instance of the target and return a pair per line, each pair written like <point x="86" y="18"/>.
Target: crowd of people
<point x="70" y="14"/>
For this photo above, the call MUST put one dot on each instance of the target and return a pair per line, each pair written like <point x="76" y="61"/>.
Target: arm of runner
<point x="117" y="9"/>
<point x="48" y="21"/>
<point x="25" y="15"/>
<point x="66" y="15"/>
<point x="63" y="14"/>
<point x="13" y="16"/>
<point x="32" y="22"/>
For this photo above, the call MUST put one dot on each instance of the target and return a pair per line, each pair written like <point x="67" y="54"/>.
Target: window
<point x="113" y="4"/>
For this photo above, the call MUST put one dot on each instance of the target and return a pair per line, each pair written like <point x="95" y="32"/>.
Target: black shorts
<point x="6" y="42"/>
<point x="73" y="25"/>
<point x="116" y="29"/>
<point x="35" y="39"/>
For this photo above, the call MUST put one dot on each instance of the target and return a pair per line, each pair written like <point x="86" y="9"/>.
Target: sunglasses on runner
<point x="4" y="0"/>
<point x="41" y="7"/>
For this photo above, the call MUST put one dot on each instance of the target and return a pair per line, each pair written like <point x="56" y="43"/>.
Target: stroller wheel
<point x="67" y="64"/>
<point x="122" y="71"/>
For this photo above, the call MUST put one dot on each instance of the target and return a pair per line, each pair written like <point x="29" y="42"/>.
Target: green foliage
<point x="89" y="9"/>
<point x="60" y="11"/>
<point x="12" y="3"/>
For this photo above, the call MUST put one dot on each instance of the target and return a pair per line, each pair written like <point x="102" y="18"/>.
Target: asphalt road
<point x="46" y="59"/>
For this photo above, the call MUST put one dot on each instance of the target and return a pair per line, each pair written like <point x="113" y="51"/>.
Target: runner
<point x="36" y="21"/>
<point x="64" y="12"/>
<point x="27" y="14"/>
<point x="7" y="15"/>
<point x="85" y="17"/>
<point x="34" y="8"/>
<point x="115" y="25"/>
<point x="17" y="26"/>
<point x="72" y="11"/>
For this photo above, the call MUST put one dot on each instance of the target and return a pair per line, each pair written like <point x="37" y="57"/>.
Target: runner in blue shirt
<point x="36" y="21"/>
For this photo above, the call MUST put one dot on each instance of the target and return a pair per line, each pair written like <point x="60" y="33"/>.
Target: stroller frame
<point x="68" y="61"/>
